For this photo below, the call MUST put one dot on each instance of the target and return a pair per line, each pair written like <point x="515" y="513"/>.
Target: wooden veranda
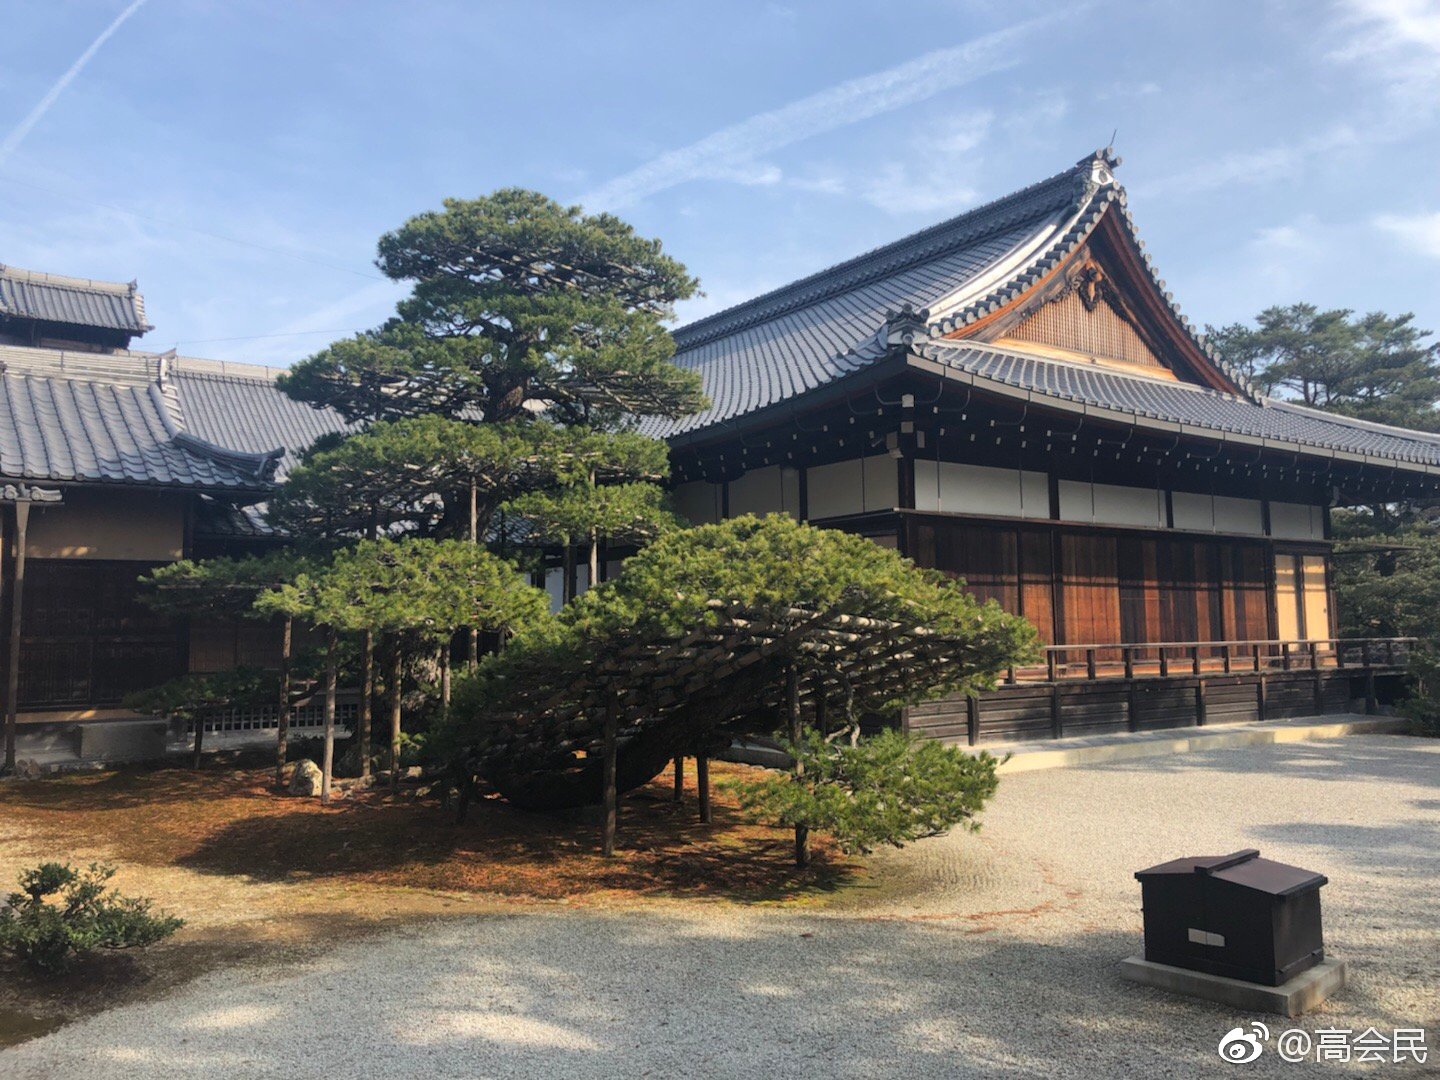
<point x="1096" y="689"/>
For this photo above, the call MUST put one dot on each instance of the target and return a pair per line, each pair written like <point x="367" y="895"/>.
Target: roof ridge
<point x="43" y="277"/>
<point x="918" y="246"/>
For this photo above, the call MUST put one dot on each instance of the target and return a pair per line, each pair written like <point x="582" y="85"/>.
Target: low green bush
<point x="891" y="788"/>
<point x="1422" y="704"/>
<point x="86" y="915"/>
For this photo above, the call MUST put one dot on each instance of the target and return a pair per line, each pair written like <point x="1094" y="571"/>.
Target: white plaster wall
<point x="852" y="487"/>
<point x="1217" y="513"/>
<point x="957" y="488"/>
<point x="1110" y="504"/>
<point x="1296" y="521"/>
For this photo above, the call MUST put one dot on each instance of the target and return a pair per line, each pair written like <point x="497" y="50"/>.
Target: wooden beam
<point x="702" y="784"/>
<point x="680" y="777"/>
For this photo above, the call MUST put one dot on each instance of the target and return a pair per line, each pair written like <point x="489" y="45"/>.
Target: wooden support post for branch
<point x="612" y="722"/>
<point x="199" y="746"/>
<point x="397" y="677"/>
<point x="282" y="728"/>
<point x="679" y="777"/>
<point x="568" y="585"/>
<point x="327" y="759"/>
<point x="792" y="713"/>
<point x="702" y="787"/>
<point x="367" y="692"/>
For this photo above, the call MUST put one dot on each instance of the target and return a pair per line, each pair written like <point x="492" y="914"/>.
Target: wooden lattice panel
<point x="1102" y="332"/>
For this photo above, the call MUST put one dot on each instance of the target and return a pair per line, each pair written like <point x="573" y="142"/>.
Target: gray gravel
<point x="982" y="954"/>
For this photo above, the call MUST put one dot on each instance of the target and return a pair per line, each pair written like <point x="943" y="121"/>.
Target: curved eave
<point x="1144" y="421"/>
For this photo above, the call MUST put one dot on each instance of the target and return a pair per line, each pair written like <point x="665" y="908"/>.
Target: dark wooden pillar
<point x="702" y="785"/>
<point x="612" y="721"/>
<point x="680" y="776"/>
<point x="12" y="671"/>
<point x="792" y="713"/>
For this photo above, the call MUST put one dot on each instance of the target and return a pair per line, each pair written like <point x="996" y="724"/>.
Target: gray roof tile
<point x="1196" y="407"/>
<point x="60" y="429"/>
<point x="832" y="324"/>
<point x="109" y="305"/>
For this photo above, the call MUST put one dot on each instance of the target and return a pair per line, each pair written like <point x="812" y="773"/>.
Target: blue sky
<point x="240" y="158"/>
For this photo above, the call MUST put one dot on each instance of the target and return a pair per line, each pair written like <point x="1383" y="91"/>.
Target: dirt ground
<point x="260" y="877"/>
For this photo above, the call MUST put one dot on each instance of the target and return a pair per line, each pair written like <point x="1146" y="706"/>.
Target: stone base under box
<point x="1299" y="995"/>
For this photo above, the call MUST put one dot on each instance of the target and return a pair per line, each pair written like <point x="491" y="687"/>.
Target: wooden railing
<point x="1167" y="659"/>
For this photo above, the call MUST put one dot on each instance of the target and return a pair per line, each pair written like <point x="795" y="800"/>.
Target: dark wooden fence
<point x="1103" y="689"/>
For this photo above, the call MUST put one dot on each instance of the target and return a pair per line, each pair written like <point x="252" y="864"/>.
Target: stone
<point x="1301" y="994"/>
<point x="305" y="780"/>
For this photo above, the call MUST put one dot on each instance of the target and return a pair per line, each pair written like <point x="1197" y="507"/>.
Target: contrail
<point x="38" y="112"/>
<point x="731" y="151"/>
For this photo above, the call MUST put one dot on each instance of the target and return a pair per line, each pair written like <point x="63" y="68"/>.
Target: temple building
<point x="1010" y="396"/>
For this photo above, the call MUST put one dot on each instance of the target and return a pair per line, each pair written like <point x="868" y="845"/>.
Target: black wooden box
<point x="1236" y="915"/>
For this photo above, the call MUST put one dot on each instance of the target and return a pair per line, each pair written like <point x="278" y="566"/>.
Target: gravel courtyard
<point x="978" y="954"/>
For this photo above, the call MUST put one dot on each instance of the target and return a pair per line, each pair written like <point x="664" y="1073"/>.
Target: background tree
<point x="1376" y="367"/>
<point x="227" y="589"/>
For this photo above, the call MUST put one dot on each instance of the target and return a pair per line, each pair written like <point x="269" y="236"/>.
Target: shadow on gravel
<point x="580" y="995"/>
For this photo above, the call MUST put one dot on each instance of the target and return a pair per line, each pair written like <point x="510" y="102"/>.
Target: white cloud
<point x="1397" y="42"/>
<point x="1265" y="164"/>
<point x="734" y="151"/>
<point x="1282" y="260"/>
<point x="934" y="175"/>
<point x="36" y="114"/>
<point x="1419" y="232"/>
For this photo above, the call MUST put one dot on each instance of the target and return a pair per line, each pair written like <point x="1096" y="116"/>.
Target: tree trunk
<point x="607" y="836"/>
<point x="327" y="765"/>
<point x="397" y="676"/>
<point x="792" y="711"/>
<point x="445" y="678"/>
<point x="680" y="777"/>
<point x="472" y="650"/>
<point x="282" y="727"/>
<point x="594" y="560"/>
<point x="367" y="690"/>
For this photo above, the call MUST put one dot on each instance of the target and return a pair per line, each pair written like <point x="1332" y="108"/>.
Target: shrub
<point x="86" y="916"/>
<point x="890" y="788"/>
<point x="1422" y="704"/>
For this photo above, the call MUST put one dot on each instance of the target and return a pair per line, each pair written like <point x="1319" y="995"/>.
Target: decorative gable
<point x="1101" y="305"/>
<point x="1086" y="319"/>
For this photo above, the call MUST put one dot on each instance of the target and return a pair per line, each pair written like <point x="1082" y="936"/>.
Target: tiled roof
<point x="835" y="323"/>
<point x="57" y="429"/>
<point x="1173" y="406"/>
<point x="248" y="413"/>
<point x="109" y="305"/>
<point x="148" y="418"/>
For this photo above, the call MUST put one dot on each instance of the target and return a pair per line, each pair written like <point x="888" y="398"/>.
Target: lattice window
<point x="1101" y="332"/>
